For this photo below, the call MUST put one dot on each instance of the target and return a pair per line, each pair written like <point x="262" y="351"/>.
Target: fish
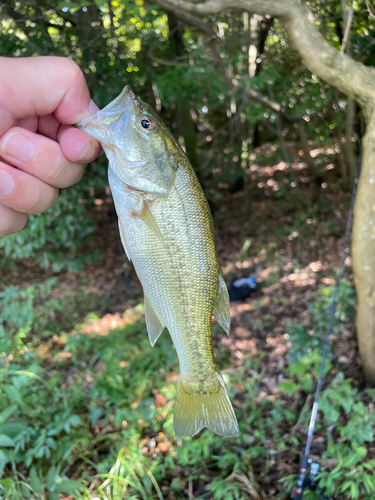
<point x="167" y="232"/>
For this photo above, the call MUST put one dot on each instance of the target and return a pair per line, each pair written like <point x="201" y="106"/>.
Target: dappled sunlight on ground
<point x="101" y="326"/>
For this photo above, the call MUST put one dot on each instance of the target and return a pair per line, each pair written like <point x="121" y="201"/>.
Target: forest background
<point x="85" y="403"/>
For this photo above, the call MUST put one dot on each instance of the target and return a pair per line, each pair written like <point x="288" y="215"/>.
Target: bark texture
<point x="357" y="82"/>
<point x="363" y="252"/>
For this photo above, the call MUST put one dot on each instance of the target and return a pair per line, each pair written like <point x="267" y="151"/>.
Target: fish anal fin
<point x="149" y="219"/>
<point x="153" y="323"/>
<point x="123" y="240"/>
<point x="222" y="306"/>
<point x="211" y="409"/>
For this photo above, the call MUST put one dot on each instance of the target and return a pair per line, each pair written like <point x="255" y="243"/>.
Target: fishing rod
<point x="309" y="469"/>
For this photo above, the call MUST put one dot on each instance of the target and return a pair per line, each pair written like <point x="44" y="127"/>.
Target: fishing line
<point x="305" y="461"/>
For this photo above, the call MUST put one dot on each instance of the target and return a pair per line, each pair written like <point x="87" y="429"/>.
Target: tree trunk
<point x="363" y="251"/>
<point x="337" y="137"/>
<point x="185" y="130"/>
<point x="348" y="146"/>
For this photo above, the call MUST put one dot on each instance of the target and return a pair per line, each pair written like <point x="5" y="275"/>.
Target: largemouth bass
<point x="166" y="230"/>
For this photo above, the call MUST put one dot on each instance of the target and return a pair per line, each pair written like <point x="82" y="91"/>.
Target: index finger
<point x="36" y="86"/>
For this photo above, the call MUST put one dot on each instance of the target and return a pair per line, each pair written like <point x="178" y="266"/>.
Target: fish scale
<point x="192" y="313"/>
<point x="167" y="231"/>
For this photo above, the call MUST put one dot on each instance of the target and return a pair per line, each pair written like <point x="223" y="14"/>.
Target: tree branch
<point x="351" y="77"/>
<point x="274" y="8"/>
<point x="231" y="82"/>
<point x="194" y="21"/>
<point x="19" y="18"/>
<point x="370" y="10"/>
<point x="347" y="28"/>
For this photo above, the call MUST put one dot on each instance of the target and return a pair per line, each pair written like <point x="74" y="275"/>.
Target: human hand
<point x="40" y="151"/>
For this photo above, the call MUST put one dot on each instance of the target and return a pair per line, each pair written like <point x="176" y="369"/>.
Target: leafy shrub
<point x="37" y="423"/>
<point x="17" y="313"/>
<point x="53" y="239"/>
<point x="303" y="340"/>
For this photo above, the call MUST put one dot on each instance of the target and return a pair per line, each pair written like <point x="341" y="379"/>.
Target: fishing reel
<point x="308" y="472"/>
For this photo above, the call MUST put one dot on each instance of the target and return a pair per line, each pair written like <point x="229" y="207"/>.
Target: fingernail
<point x="6" y="183"/>
<point x="18" y="147"/>
<point x="88" y="152"/>
<point x="93" y="108"/>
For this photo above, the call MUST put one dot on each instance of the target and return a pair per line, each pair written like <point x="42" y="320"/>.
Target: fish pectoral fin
<point x="222" y="307"/>
<point x="149" y="219"/>
<point x="153" y="323"/>
<point x="123" y="241"/>
<point x="208" y="409"/>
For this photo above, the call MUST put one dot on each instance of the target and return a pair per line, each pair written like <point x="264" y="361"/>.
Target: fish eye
<point x="148" y="123"/>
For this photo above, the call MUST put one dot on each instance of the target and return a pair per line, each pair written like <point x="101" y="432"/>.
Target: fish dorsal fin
<point x="149" y="219"/>
<point x="222" y="307"/>
<point x="123" y="241"/>
<point x="153" y="323"/>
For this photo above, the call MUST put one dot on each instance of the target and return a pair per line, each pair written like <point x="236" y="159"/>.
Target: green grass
<point x="92" y="414"/>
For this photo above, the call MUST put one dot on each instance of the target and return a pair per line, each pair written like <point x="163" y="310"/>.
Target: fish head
<point x="142" y="152"/>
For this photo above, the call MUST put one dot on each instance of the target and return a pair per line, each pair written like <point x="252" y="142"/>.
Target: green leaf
<point x="12" y="429"/>
<point x="350" y="460"/>
<point x="7" y="483"/>
<point x="354" y="490"/>
<point x="3" y="462"/>
<point x="71" y="6"/>
<point x="369" y="483"/>
<point x="13" y="394"/>
<point x="51" y="443"/>
<point x="66" y="5"/>
<point x="95" y="413"/>
<point x="5" y="414"/>
<point x="75" y="420"/>
<point x="288" y="387"/>
<point x="6" y="440"/>
<point x="35" y="482"/>
<point x="68" y="486"/>
<point x="50" y="478"/>
<point x="346" y="486"/>
<point x="361" y="450"/>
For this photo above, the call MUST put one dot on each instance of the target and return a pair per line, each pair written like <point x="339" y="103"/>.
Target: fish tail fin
<point x="203" y="405"/>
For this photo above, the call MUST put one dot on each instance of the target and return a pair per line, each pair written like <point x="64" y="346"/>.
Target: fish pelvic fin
<point x="123" y="240"/>
<point x="222" y="307"/>
<point x="149" y="219"/>
<point x="200" y="405"/>
<point x="153" y="323"/>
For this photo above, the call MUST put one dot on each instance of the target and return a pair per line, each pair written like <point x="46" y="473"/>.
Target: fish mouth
<point x="125" y="99"/>
<point x="96" y="125"/>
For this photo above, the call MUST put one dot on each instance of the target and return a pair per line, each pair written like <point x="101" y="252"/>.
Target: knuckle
<point x="55" y="172"/>
<point x="64" y="174"/>
<point x="54" y="196"/>
<point x="42" y="197"/>
<point x="32" y="203"/>
<point x="11" y="221"/>
<point x="77" y="176"/>
<point x="73" y="71"/>
<point x="49" y="199"/>
<point x="70" y="66"/>
<point x="46" y="197"/>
